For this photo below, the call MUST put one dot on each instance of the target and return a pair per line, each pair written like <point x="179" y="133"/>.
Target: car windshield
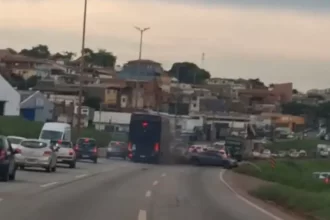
<point x="86" y="141"/>
<point x="51" y="135"/>
<point x="13" y="140"/>
<point x="116" y="144"/>
<point x="33" y="144"/>
<point x="65" y="144"/>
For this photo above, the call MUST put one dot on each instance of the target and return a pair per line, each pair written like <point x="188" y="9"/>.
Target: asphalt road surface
<point x="121" y="190"/>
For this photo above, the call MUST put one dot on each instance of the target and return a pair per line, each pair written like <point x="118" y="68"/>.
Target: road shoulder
<point x="242" y="184"/>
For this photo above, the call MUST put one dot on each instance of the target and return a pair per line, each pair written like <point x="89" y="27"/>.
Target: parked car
<point x="8" y="165"/>
<point x="37" y="153"/>
<point x="66" y="153"/>
<point x="117" y="149"/>
<point x="86" y="148"/>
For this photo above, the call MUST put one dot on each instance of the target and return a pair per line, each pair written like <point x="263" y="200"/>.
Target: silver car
<point x="66" y="153"/>
<point x="37" y="153"/>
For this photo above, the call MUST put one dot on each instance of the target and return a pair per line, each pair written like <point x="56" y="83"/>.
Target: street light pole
<point x="141" y="30"/>
<point x="82" y="64"/>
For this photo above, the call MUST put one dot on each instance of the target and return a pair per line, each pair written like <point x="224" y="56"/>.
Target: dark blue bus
<point x="149" y="138"/>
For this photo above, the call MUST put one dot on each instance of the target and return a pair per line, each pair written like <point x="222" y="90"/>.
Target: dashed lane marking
<point x="164" y="174"/>
<point x="48" y="184"/>
<point x="155" y="183"/>
<point x="81" y="176"/>
<point x="142" y="215"/>
<point x="148" y="193"/>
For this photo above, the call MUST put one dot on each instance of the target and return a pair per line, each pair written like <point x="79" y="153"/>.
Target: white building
<point x="10" y="99"/>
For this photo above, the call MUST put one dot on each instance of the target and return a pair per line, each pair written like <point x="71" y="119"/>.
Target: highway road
<point x="121" y="190"/>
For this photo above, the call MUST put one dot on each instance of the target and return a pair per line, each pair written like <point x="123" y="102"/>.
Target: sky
<point x="274" y="40"/>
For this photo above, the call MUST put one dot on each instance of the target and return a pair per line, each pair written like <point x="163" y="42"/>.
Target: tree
<point x="188" y="73"/>
<point x="101" y="58"/>
<point x="295" y="108"/>
<point x="40" y="51"/>
<point x="67" y="55"/>
<point x="93" y="102"/>
<point x="12" y="51"/>
<point x="257" y="84"/>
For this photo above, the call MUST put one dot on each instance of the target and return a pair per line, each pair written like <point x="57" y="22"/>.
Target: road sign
<point x="272" y="162"/>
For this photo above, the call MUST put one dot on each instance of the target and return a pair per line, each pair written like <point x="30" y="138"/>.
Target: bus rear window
<point x="141" y="130"/>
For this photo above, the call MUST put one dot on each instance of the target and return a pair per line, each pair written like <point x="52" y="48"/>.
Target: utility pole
<point x="141" y="30"/>
<point x="82" y="65"/>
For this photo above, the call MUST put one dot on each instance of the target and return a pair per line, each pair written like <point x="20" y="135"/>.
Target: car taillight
<point x="2" y="154"/>
<point x="156" y="147"/>
<point x="129" y="146"/>
<point x="71" y="152"/>
<point x="76" y="147"/>
<point x="47" y="153"/>
<point x="95" y="150"/>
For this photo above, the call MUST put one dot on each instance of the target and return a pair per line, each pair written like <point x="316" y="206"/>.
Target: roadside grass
<point x="294" y="173"/>
<point x="313" y="205"/>
<point x="18" y="126"/>
<point x="294" y="187"/>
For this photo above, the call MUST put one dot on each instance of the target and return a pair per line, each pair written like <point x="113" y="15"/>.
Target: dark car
<point x="117" y="149"/>
<point x="8" y="165"/>
<point x="86" y="148"/>
<point x="213" y="157"/>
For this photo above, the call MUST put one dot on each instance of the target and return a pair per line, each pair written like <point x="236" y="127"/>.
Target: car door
<point x="211" y="158"/>
<point x="10" y="155"/>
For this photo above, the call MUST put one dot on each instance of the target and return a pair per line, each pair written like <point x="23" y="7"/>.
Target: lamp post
<point x="82" y="64"/>
<point x="141" y="30"/>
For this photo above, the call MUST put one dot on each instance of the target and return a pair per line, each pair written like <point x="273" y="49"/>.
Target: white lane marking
<point x="155" y="183"/>
<point x="81" y="176"/>
<point x="49" y="184"/>
<point x="164" y="174"/>
<point x="246" y="200"/>
<point x="148" y="193"/>
<point x="142" y="215"/>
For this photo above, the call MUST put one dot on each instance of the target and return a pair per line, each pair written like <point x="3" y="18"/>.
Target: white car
<point x="37" y="153"/>
<point x="15" y="141"/>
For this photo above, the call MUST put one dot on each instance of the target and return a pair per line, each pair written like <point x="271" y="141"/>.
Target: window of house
<point x="123" y="99"/>
<point x="194" y="105"/>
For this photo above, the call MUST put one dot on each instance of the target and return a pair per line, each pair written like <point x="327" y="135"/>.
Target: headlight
<point x="109" y="149"/>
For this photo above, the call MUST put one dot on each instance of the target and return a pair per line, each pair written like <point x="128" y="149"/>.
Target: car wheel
<point x="13" y="175"/>
<point x="196" y="162"/>
<point x="227" y="166"/>
<point x="95" y="160"/>
<point x="5" y="177"/>
<point x="72" y="164"/>
<point x="22" y="167"/>
<point x="48" y="169"/>
<point x="53" y="169"/>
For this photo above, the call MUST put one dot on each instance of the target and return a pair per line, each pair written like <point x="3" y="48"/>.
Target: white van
<point x="55" y="131"/>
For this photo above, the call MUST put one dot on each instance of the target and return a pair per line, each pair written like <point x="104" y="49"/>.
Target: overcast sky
<point x="275" y="40"/>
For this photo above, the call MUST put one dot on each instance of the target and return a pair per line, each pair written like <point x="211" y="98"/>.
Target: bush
<point x="18" y="126"/>
<point x="314" y="205"/>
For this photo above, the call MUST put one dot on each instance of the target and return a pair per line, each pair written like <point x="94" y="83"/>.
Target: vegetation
<point x="20" y="127"/>
<point x="296" y="189"/>
<point x="100" y="57"/>
<point x="188" y="73"/>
